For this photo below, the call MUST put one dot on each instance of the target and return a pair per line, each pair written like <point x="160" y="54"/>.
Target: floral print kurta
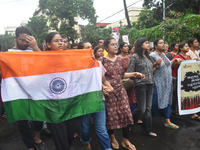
<point x="118" y="113"/>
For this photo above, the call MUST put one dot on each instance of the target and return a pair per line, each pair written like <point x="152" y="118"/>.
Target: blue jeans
<point x="99" y="119"/>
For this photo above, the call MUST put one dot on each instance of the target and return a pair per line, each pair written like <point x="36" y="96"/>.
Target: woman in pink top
<point x="193" y="53"/>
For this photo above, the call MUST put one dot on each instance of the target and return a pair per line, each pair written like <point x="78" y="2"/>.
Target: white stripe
<point x="37" y="87"/>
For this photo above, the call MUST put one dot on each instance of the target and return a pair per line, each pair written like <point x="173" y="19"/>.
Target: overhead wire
<point x="119" y="11"/>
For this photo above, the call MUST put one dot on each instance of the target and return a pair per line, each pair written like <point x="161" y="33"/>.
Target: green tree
<point x="151" y="33"/>
<point x="146" y="20"/>
<point x="175" y="5"/>
<point x="7" y="41"/>
<point x="61" y="14"/>
<point x="38" y="25"/>
<point x="124" y="31"/>
<point x="91" y="33"/>
<point x="180" y="26"/>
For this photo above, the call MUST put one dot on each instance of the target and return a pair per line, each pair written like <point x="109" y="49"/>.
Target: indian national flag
<point x="51" y="86"/>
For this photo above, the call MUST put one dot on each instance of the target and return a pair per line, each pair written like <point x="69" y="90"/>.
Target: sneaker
<point x="40" y="146"/>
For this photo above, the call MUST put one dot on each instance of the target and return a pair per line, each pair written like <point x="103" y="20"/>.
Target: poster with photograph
<point x="125" y="39"/>
<point x="115" y="33"/>
<point x="188" y="84"/>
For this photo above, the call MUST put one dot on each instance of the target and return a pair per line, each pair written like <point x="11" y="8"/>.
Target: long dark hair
<point x="121" y="45"/>
<point x="190" y="41"/>
<point x="181" y="46"/>
<point x="96" y="48"/>
<point x="107" y="41"/>
<point x="173" y="45"/>
<point x="138" y="47"/>
<point x="81" y="45"/>
<point x="49" y="38"/>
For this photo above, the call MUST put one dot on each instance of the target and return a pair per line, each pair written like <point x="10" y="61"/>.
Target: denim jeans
<point x="144" y="94"/>
<point x="99" y="119"/>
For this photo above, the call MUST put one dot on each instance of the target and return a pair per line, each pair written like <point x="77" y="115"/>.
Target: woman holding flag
<point x="63" y="133"/>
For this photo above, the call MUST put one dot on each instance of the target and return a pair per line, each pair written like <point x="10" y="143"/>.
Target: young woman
<point x="163" y="82"/>
<point x="140" y="62"/>
<point x="63" y="133"/>
<point x="193" y="51"/>
<point x="182" y="50"/>
<point x="131" y="50"/>
<point x="84" y="45"/>
<point x="98" y="52"/>
<point x="118" y="113"/>
<point x="174" y="47"/>
<point x="99" y="118"/>
<point x="193" y="54"/>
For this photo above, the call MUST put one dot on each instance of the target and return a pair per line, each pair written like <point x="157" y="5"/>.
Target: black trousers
<point x="144" y="95"/>
<point x="63" y="133"/>
<point x="26" y="133"/>
<point x="125" y="132"/>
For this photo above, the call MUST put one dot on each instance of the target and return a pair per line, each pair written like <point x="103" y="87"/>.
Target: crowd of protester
<point x="138" y="82"/>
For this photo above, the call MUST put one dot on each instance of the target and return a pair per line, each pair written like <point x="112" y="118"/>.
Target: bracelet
<point x="156" y="66"/>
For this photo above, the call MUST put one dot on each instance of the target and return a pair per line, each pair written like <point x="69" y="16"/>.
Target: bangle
<point x="156" y="66"/>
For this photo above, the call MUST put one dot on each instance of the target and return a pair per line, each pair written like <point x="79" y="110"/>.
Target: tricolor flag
<point x="51" y="86"/>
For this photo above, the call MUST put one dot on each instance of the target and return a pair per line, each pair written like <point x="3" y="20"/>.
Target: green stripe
<point x="54" y="111"/>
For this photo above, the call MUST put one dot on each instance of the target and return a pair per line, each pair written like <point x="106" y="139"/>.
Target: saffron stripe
<point x="16" y="64"/>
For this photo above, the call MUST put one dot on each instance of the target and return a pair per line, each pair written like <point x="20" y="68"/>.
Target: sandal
<point x="139" y="121"/>
<point x="173" y="126"/>
<point x="151" y="134"/>
<point x="175" y="113"/>
<point x="128" y="146"/>
<point x="196" y="118"/>
<point x="75" y="135"/>
<point x="115" y="145"/>
<point x="40" y="146"/>
<point x="4" y="117"/>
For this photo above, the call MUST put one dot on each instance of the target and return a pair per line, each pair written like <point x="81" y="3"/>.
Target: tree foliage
<point x="91" y="33"/>
<point x="38" y="25"/>
<point x="151" y="33"/>
<point x="177" y="28"/>
<point x="7" y="41"/>
<point x="146" y="20"/>
<point x="124" y="31"/>
<point x="62" y="13"/>
<point x="184" y="6"/>
<point x="180" y="26"/>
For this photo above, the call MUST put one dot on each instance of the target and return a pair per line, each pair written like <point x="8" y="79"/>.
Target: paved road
<point x="185" y="138"/>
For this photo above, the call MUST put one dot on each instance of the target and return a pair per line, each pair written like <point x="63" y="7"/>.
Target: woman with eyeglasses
<point x="118" y="113"/>
<point x="63" y="133"/>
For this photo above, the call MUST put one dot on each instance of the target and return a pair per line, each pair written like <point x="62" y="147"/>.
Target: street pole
<point x="164" y="18"/>
<point x="126" y="14"/>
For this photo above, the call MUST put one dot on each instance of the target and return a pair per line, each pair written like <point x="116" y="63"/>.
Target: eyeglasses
<point x="58" y="40"/>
